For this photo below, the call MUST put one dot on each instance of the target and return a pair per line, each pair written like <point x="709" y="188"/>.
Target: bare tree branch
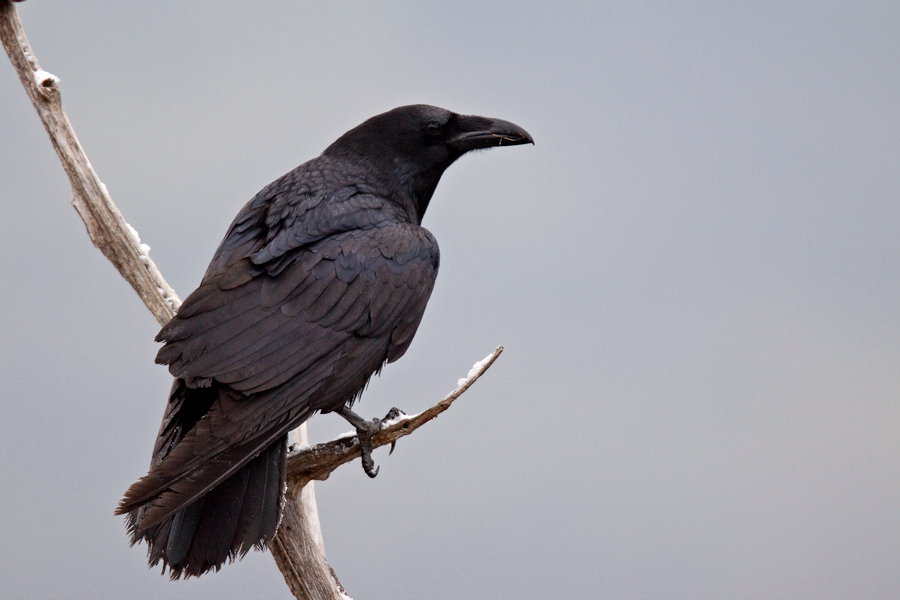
<point x="106" y="227"/>
<point x="298" y="548"/>
<point x="317" y="462"/>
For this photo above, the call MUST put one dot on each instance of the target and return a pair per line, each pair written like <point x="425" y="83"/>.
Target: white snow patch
<point x="474" y="371"/>
<point x="398" y="419"/>
<point x="41" y="77"/>
<point x="134" y="234"/>
<point x="145" y="249"/>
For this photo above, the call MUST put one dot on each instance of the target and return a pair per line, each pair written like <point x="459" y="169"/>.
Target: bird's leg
<point x="365" y="431"/>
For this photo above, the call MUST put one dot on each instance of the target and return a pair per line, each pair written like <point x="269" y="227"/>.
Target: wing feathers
<point x="271" y="343"/>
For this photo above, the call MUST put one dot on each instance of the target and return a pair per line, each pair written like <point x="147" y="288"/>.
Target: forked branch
<point x="297" y="548"/>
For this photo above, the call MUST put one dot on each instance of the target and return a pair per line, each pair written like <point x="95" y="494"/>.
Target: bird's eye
<point x="433" y="128"/>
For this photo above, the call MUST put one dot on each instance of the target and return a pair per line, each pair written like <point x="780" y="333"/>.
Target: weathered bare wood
<point x="298" y="548"/>
<point x="298" y="542"/>
<point x="105" y="225"/>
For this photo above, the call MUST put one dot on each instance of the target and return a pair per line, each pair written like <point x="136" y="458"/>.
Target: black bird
<point x="322" y="278"/>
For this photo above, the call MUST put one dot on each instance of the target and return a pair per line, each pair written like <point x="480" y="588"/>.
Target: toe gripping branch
<point x="365" y="431"/>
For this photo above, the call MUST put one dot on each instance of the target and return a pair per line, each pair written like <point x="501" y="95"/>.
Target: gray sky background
<point x="695" y="273"/>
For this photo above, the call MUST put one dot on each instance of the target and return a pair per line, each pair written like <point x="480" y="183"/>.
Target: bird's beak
<point x="483" y="132"/>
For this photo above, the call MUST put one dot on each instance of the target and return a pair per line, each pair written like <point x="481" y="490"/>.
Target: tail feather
<point x="180" y="533"/>
<point x="262" y="507"/>
<point x="204" y="503"/>
<point x="241" y="513"/>
<point x="183" y="490"/>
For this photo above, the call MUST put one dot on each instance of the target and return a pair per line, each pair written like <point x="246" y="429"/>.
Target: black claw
<point x="394" y="413"/>
<point x="365" y="451"/>
<point x="368" y="463"/>
<point x="365" y="431"/>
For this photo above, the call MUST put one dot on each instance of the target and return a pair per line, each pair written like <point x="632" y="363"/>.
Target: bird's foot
<point x="390" y="416"/>
<point x="365" y="431"/>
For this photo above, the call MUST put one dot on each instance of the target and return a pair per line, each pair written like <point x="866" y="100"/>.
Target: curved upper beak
<point x="484" y="132"/>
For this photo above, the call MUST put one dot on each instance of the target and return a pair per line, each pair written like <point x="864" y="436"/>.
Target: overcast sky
<point x="695" y="272"/>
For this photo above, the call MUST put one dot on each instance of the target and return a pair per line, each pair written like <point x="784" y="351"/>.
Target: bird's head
<point x="413" y="145"/>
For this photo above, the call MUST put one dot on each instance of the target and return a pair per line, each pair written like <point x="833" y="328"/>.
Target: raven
<point x="322" y="278"/>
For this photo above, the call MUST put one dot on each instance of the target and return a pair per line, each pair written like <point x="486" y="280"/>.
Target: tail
<point x="208" y="500"/>
<point x="241" y="513"/>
